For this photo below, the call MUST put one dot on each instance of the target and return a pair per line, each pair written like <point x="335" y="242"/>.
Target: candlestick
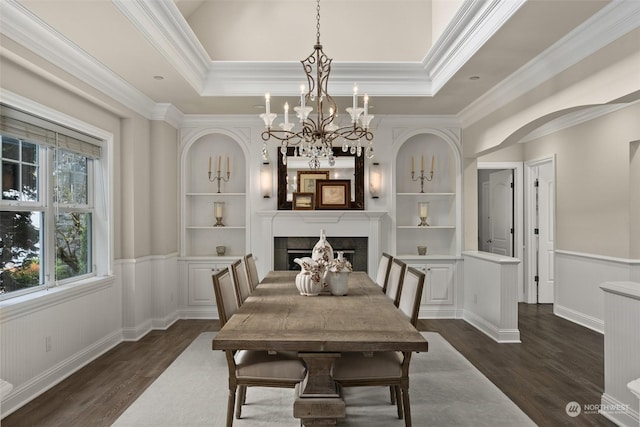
<point x="217" y="211"/>
<point x="219" y="178"/>
<point x="422" y="177"/>
<point x="267" y="102"/>
<point x="302" y="90"/>
<point x="366" y="104"/>
<point x="433" y="160"/>
<point x="423" y="211"/>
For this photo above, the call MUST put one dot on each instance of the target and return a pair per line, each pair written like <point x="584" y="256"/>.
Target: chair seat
<point x="264" y="366"/>
<point x="357" y="366"/>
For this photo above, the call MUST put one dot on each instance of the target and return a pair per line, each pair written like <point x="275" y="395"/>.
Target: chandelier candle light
<point x="422" y="176"/>
<point x="314" y="139"/>
<point x="219" y="176"/>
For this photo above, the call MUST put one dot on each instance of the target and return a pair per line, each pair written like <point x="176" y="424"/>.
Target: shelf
<point x="422" y="227"/>
<point x="427" y="194"/>
<point x="211" y="227"/>
<point x="215" y="194"/>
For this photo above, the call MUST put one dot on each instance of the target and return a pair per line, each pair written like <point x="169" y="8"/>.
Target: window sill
<point x="40" y="300"/>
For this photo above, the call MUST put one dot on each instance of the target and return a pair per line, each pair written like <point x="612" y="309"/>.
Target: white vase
<point x="322" y="250"/>
<point x="307" y="284"/>
<point x="338" y="282"/>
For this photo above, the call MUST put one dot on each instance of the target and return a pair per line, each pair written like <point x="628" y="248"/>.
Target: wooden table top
<point x="277" y="317"/>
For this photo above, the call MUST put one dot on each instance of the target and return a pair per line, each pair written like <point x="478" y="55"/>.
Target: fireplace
<point x="286" y="249"/>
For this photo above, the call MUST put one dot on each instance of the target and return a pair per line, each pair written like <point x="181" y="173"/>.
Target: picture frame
<point x="303" y="201"/>
<point x="307" y="180"/>
<point x="333" y="193"/>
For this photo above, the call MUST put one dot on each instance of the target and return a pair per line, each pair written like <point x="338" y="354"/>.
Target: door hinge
<point x="511" y="231"/>
<point x="536" y="231"/>
<point x="536" y="279"/>
<point x="536" y="183"/>
<point x="511" y="185"/>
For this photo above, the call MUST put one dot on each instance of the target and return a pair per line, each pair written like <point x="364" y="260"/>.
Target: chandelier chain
<point x="318" y="21"/>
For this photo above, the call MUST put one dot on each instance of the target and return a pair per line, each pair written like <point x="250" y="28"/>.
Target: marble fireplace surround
<point x="354" y="223"/>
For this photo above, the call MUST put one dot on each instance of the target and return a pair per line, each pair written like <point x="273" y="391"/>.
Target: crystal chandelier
<point x="314" y="139"/>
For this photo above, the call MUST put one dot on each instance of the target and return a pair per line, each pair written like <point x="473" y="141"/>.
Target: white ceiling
<point x="221" y="56"/>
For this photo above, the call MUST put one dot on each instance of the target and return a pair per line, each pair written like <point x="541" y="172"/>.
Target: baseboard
<point x="134" y="334"/>
<point x="199" y="313"/>
<point x="165" y="323"/>
<point x="439" y="313"/>
<point x="502" y="336"/>
<point x="579" y="318"/>
<point x="619" y="413"/>
<point x="24" y="393"/>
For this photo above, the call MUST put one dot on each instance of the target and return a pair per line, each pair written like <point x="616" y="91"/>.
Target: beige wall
<point x="597" y="182"/>
<point x="594" y="183"/>
<point x="164" y="188"/>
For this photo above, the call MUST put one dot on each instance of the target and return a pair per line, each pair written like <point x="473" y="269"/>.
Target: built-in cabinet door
<point x="438" y="284"/>
<point x="200" y="283"/>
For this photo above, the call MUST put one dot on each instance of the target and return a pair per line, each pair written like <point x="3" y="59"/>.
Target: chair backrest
<point x="394" y="282"/>
<point x="252" y="270"/>
<point x="225" y="292"/>
<point x="383" y="270"/>
<point x="240" y="279"/>
<point x="411" y="293"/>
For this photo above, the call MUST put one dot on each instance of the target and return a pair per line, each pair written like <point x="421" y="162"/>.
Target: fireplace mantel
<point x="348" y="223"/>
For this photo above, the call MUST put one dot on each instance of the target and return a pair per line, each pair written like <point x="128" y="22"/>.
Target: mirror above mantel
<point x="347" y="167"/>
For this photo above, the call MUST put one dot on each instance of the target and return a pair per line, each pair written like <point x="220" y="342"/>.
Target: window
<point x="47" y="204"/>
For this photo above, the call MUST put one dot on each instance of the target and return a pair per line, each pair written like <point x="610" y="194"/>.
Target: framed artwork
<point x="303" y="201"/>
<point x="307" y="180"/>
<point x="333" y="193"/>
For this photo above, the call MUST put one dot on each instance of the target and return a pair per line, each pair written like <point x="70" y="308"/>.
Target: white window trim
<point x="103" y="231"/>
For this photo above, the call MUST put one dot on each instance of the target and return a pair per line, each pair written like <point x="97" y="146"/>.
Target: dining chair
<point x="383" y="270"/>
<point x="386" y="368"/>
<point x="251" y="367"/>
<point x="240" y="279"/>
<point x="252" y="270"/>
<point x="394" y="281"/>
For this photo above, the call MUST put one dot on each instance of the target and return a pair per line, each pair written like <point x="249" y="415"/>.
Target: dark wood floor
<point x="557" y="362"/>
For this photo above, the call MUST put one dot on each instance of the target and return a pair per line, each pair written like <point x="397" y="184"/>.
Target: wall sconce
<point x="423" y="212"/>
<point x="375" y="180"/>
<point x="218" y="210"/>
<point x="266" y="179"/>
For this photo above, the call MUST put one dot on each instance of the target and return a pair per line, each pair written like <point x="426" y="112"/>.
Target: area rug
<point x="446" y="390"/>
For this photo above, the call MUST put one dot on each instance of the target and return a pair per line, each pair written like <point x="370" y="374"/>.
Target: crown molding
<point x="612" y="22"/>
<point x="25" y="28"/>
<point x="475" y="22"/>
<point x="164" y="26"/>
<point x="168" y="113"/>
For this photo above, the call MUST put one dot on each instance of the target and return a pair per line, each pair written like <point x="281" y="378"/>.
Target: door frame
<point x="518" y="216"/>
<point x="530" y="236"/>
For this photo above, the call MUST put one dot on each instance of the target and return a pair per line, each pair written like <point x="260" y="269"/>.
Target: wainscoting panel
<point x="578" y="296"/>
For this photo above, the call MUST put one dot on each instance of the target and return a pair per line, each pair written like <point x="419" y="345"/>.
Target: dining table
<point x="276" y="317"/>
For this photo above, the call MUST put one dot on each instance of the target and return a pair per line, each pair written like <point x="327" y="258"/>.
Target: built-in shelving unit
<point x="200" y="236"/>
<point x="440" y="236"/>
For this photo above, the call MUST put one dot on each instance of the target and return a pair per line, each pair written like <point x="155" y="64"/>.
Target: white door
<point x="546" y="208"/>
<point x="485" y="241"/>
<point x="501" y="212"/>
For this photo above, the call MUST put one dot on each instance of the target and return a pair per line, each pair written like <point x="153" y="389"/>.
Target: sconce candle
<point x="266" y="180"/>
<point x="375" y="180"/>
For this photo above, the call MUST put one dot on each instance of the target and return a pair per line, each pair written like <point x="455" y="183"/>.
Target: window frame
<point x="99" y="205"/>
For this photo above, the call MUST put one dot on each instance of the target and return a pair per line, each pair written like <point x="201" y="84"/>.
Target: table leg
<point x="318" y="401"/>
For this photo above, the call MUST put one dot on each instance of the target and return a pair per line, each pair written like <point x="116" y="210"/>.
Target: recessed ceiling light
<point x="474" y="78"/>
<point x="158" y="77"/>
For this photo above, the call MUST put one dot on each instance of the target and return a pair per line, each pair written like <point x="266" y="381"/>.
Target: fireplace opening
<point x="286" y="249"/>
